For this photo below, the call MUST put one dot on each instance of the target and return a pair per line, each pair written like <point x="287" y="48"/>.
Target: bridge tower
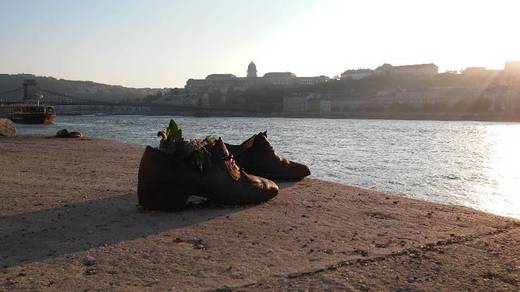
<point x="29" y="90"/>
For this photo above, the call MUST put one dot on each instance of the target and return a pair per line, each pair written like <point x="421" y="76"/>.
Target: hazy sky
<point x="153" y="43"/>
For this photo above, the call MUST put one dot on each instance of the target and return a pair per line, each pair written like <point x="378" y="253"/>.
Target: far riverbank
<point x="171" y="110"/>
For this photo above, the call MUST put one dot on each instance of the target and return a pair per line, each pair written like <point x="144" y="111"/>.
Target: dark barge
<point x="22" y="113"/>
<point x="31" y="110"/>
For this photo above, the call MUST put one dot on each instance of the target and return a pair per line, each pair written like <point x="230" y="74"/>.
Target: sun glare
<point x="454" y="35"/>
<point x="505" y="169"/>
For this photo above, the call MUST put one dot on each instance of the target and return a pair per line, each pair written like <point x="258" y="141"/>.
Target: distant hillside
<point x="83" y="89"/>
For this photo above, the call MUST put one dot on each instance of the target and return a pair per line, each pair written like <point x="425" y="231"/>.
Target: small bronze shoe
<point x="164" y="184"/>
<point x="224" y="182"/>
<point x="257" y="156"/>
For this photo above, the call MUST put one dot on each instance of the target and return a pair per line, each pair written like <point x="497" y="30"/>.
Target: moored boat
<point x="31" y="110"/>
<point x="28" y="113"/>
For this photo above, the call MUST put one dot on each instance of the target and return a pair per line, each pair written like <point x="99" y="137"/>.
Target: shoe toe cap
<point x="270" y="188"/>
<point x="297" y="170"/>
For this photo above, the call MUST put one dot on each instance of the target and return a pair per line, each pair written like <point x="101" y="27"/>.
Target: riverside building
<point x="408" y="70"/>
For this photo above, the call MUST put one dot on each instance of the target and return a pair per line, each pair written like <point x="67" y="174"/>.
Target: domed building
<point x="224" y="82"/>
<point x="251" y="70"/>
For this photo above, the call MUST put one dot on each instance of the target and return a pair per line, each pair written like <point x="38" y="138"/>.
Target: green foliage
<point x="172" y="135"/>
<point x="211" y="140"/>
<point x="175" y="132"/>
<point x="193" y="152"/>
<point x="199" y="158"/>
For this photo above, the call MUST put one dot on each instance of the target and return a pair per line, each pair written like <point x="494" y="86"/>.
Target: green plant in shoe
<point x="171" y="138"/>
<point x="193" y="151"/>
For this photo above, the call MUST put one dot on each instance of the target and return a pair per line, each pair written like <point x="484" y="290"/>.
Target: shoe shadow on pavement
<point x="77" y="227"/>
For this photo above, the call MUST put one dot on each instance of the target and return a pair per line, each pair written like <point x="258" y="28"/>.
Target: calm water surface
<point x="474" y="164"/>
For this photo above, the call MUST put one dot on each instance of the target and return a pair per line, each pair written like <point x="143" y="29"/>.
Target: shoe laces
<point x="232" y="168"/>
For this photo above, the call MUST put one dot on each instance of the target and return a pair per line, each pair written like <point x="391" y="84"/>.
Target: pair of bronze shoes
<point x="234" y="175"/>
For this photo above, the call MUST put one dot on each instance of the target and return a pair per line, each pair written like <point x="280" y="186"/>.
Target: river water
<point x="473" y="164"/>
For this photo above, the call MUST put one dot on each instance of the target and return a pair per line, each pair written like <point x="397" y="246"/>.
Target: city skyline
<point x="163" y="44"/>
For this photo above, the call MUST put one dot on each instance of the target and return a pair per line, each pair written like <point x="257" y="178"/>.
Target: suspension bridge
<point x="29" y="92"/>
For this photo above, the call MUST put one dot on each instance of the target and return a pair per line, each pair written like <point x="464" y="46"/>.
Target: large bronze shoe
<point x="164" y="184"/>
<point x="257" y="156"/>
<point x="225" y="182"/>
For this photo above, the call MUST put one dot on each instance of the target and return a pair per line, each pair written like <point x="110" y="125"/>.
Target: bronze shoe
<point x="257" y="156"/>
<point x="225" y="182"/>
